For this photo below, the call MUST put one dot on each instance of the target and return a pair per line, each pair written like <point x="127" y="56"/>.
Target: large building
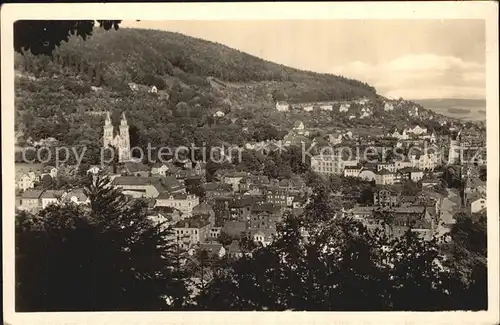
<point x="185" y="203"/>
<point x="119" y="140"/>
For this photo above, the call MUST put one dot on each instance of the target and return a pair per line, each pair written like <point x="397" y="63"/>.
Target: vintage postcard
<point x="250" y="163"/>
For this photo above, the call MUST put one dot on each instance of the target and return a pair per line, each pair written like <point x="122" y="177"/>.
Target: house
<point x="234" y="250"/>
<point x="191" y="231"/>
<point x="234" y="179"/>
<point x="384" y="177"/>
<point x="401" y="164"/>
<point x="430" y="182"/>
<point x="153" y="90"/>
<point x="185" y="203"/>
<point x="327" y="164"/>
<point x="475" y="185"/>
<point x="308" y="108"/>
<point x="205" y="209"/>
<point x="386" y="198"/>
<point x="215" y="249"/>
<point x="214" y="190"/>
<point x="416" y="175"/>
<point x="165" y="215"/>
<point x="282" y="106"/>
<point x="148" y="187"/>
<point x="200" y="168"/>
<point x="477" y="203"/>
<point x="31" y="200"/>
<point x="277" y="196"/>
<point x="26" y="181"/>
<point x="417" y="130"/>
<point x="352" y="171"/>
<point x="406" y="173"/>
<point x="344" y="107"/>
<point x="326" y="107"/>
<point x="390" y="166"/>
<point x="388" y="107"/>
<point x="49" y="197"/>
<point x="215" y="232"/>
<point x="360" y="213"/>
<point x="76" y="196"/>
<point x="160" y="169"/>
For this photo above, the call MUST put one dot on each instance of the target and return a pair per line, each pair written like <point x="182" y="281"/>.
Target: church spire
<point x="108" y="119"/>
<point x="124" y="119"/>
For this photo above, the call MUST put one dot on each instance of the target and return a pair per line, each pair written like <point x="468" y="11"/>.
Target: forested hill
<point x="66" y="96"/>
<point x="147" y="56"/>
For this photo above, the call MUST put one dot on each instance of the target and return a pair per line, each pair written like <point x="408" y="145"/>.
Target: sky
<point x="413" y="59"/>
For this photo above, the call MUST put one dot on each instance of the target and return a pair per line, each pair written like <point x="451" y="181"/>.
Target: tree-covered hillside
<point x="146" y="56"/>
<point x="65" y="96"/>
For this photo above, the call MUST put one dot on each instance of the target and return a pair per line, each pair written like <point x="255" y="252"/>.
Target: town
<point x="234" y="205"/>
<point x="156" y="171"/>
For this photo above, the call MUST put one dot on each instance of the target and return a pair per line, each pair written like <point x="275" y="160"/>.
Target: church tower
<point x="454" y="152"/>
<point x="124" y="146"/>
<point x="121" y="141"/>
<point x="108" y="131"/>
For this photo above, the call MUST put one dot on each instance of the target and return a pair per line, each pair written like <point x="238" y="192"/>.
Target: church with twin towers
<point x="119" y="138"/>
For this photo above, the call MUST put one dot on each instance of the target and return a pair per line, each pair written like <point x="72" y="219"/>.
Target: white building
<point x="352" y="171"/>
<point x="388" y="107"/>
<point x="180" y="201"/>
<point x="76" y="196"/>
<point x="417" y="130"/>
<point x="308" y="108"/>
<point x="326" y="107"/>
<point x="27" y="181"/>
<point x="219" y="114"/>
<point x="282" y="106"/>
<point x="344" y="107"/>
<point x="327" y="164"/>
<point x="416" y="175"/>
<point x="120" y="141"/>
<point x="191" y="231"/>
<point x="384" y="177"/>
<point x="51" y="197"/>
<point x="400" y="164"/>
<point x="478" y="204"/>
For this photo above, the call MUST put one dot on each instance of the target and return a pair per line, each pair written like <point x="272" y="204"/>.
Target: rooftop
<point x="32" y="194"/>
<point x="192" y="222"/>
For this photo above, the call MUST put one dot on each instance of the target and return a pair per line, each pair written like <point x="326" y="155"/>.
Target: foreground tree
<point x="339" y="265"/>
<point x="43" y="36"/>
<point x="106" y="256"/>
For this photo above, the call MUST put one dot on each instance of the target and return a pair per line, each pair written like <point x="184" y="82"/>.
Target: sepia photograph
<point x="243" y="164"/>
